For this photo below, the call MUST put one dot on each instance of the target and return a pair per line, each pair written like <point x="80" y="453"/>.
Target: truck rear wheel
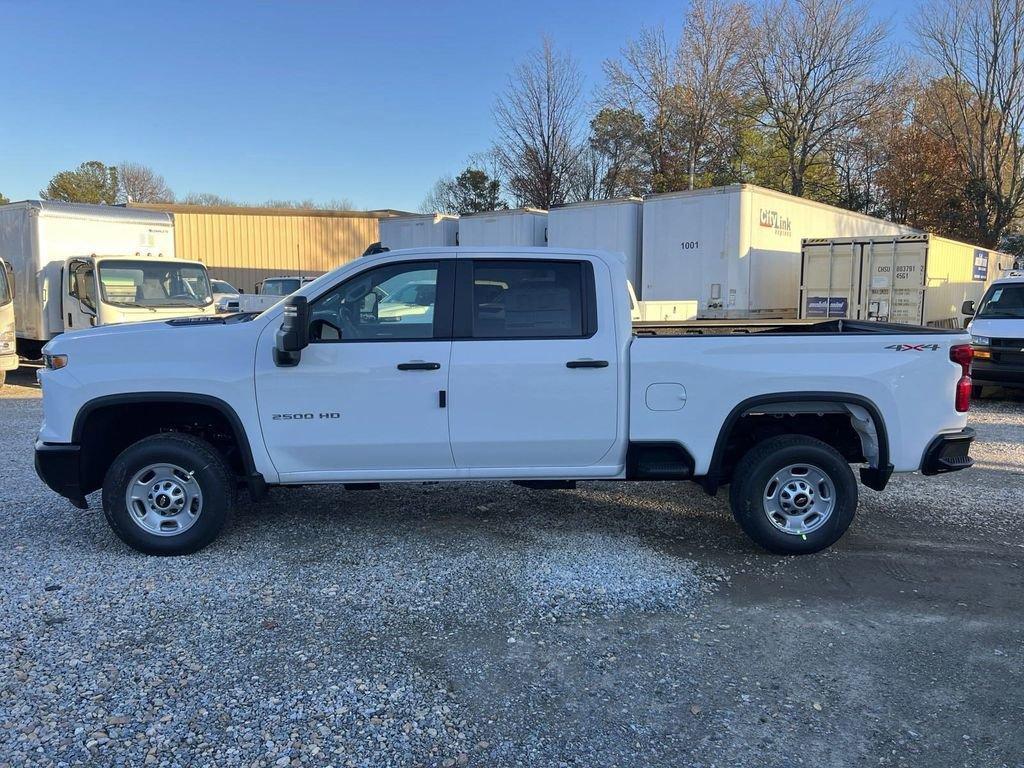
<point x="793" y="495"/>
<point x="168" y="494"/>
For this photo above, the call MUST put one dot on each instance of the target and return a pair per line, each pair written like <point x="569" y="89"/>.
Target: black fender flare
<point x="873" y="477"/>
<point x="254" y="480"/>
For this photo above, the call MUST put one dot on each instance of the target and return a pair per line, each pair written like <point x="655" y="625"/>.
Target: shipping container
<point x="736" y="250"/>
<point x="419" y="231"/>
<point x="610" y="225"/>
<point x="244" y="246"/>
<point x="522" y="227"/>
<point x="916" y="279"/>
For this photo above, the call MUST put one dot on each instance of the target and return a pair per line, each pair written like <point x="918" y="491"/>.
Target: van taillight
<point x="962" y="354"/>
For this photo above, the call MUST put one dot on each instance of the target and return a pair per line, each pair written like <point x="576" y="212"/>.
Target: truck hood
<point x="138" y="335"/>
<point x="1002" y="327"/>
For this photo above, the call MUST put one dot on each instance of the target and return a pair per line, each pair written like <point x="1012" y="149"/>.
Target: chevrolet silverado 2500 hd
<point x="523" y="366"/>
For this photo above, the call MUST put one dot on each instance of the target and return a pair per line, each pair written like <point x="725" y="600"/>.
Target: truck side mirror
<point x="968" y="308"/>
<point x="10" y="278"/>
<point x="293" y="335"/>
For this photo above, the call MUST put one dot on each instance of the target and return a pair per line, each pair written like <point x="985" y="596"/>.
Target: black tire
<point x="750" y="481"/>
<point x="196" y="456"/>
<point x="976" y="391"/>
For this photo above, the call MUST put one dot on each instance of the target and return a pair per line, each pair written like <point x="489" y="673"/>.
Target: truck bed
<point x="781" y="328"/>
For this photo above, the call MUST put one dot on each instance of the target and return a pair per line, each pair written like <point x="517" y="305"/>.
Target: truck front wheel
<point x="793" y="495"/>
<point x="169" y="494"/>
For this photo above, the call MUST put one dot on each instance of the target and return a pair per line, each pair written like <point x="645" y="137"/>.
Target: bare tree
<point x="139" y="183"/>
<point x="976" y="52"/>
<point x="820" y="67"/>
<point x="538" y="122"/>
<point x="712" y="75"/>
<point x="644" y="80"/>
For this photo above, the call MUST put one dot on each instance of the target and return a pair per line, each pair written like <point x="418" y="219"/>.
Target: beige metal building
<point x="246" y="245"/>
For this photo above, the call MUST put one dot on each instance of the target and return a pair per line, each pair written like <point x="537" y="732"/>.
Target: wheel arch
<point x="209" y="403"/>
<point x="875" y="476"/>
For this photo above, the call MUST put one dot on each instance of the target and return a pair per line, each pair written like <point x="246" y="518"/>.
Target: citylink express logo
<point x="774" y="221"/>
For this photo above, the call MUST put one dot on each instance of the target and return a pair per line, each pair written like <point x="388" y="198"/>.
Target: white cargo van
<point x="77" y="266"/>
<point x="8" y="355"/>
<point x="916" y="279"/>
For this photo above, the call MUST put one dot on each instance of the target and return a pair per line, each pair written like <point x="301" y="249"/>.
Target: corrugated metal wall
<point x="951" y="278"/>
<point x="246" y="245"/>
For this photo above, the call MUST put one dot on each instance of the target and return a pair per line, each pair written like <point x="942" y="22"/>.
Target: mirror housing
<point x="968" y="308"/>
<point x="293" y="335"/>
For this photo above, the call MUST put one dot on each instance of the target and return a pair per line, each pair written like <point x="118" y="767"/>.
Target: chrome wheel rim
<point x="799" y="499"/>
<point x="164" y="499"/>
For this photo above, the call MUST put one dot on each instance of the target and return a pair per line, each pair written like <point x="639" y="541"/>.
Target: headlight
<point x="55" y="362"/>
<point x="983" y="341"/>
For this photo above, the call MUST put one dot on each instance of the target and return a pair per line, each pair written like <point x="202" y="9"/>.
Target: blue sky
<point x="369" y="101"/>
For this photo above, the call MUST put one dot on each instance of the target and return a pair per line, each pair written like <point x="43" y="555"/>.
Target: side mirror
<point x="10" y="278"/>
<point x="968" y="308"/>
<point x="241" y="291"/>
<point x="293" y="335"/>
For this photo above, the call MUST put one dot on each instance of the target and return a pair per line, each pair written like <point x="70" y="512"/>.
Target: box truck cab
<point x="8" y="353"/>
<point x="99" y="290"/>
<point x="997" y="333"/>
<point x="77" y="266"/>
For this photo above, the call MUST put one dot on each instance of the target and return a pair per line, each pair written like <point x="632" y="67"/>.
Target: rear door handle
<point x="587" y="364"/>
<point x="419" y="366"/>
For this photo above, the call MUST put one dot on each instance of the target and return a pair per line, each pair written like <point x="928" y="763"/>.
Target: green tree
<point x="91" y="182"/>
<point x="616" y="139"/>
<point x="472" y="191"/>
<point x="4" y="200"/>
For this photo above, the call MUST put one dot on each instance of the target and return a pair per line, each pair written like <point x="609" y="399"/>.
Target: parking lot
<point x="617" y="624"/>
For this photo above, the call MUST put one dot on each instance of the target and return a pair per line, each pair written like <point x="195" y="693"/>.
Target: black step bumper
<point x="59" y="466"/>
<point x="948" y="453"/>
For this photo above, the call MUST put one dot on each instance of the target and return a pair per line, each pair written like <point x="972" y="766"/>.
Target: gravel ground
<point x="618" y="624"/>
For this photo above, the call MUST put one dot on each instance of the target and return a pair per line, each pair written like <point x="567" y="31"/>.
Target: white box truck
<point x="916" y="279"/>
<point x="8" y="345"/>
<point x="610" y="225"/>
<point x="521" y="227"/>
<point x="736" y="250"/>
<point x="76" y="266"/>
<point x="421" y="231"/>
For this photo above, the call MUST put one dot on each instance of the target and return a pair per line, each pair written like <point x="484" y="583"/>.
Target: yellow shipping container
<point x="916" y="279"/>
<point x="247" y="245"/>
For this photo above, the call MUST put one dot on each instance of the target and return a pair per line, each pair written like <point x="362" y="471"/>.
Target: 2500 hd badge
<point x="304" y="416"/>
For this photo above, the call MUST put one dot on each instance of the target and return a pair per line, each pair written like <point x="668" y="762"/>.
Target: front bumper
<point x="997" y="372"/>
<point x="948" y="453"/>
<point x="59" y="466"/>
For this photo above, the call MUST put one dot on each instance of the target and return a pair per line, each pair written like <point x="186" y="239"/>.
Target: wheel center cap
<point x="801" y="500"/>
<point x="163" y="500"/>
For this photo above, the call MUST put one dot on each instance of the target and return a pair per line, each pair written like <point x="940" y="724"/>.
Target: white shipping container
<point x="608" y="225"/>
<point x="915" y="279"/>
<point x="521" y="227"/>
<point x="420" y="231"/>
<point x="736" y="250"/>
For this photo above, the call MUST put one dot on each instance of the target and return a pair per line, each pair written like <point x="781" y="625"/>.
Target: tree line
<point x="101" y="184"/>
<point x="810" y="97"/>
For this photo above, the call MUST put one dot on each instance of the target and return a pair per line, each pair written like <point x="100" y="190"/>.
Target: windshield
<point x="280" y="287"/>
<point x="154" y="284"/>
<point x="1003" y="301"/>
<point x="5" y="288"/>
<point x="219" y="286"/>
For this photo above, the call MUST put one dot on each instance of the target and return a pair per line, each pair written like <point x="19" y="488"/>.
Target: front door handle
<point x="419" y="366"/>
<point x="587" y="364"/>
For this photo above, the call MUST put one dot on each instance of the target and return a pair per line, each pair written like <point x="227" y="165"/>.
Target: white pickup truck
<point x="526" y="368"/>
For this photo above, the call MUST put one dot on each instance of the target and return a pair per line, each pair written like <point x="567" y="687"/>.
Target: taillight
<point x="962" y="354"/>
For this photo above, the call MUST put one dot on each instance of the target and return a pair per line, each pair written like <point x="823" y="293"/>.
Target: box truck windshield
<point x="154" y="284"/>
<point x="1002" y="301"/>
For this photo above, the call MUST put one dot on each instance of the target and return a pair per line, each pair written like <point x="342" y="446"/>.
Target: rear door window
<point x="524" y="299"/>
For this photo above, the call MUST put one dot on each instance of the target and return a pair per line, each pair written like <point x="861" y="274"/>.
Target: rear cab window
<point x="525" y="299"/>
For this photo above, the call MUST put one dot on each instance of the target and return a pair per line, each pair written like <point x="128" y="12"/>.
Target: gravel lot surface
<point x="488" y="625"/>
